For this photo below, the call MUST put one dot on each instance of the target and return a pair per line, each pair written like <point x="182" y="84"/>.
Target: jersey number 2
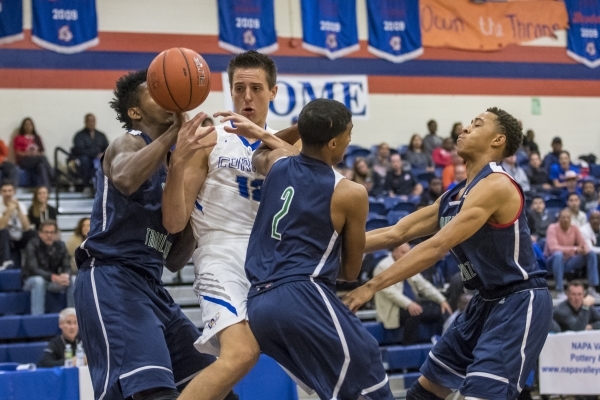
<point x="255" y="184"/>
<point x="287" y="196"/>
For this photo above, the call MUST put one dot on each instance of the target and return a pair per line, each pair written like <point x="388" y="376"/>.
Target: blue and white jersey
<point x="128" y="231"/>
<point x="583" y="38"/>
<point x="64" y="26"/>
<point x="293" y="235"/>
<point x="496" y="255"/>
<point x="11" y="21"/>
<point x="229" y="198"/>
<point x="247" y="25"/>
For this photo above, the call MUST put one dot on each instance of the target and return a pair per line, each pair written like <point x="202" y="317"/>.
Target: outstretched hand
<point x="356" y="298"/>
<point x="243" y="126"/>
<point x="190" y="137"/>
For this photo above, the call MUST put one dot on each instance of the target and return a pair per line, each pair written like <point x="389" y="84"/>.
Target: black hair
<point x="48" y="222"/>
<point x="410" y="142"/>
<point x="537" y="196"/>
<point x="511" y="128"/>
<point x="127" y="95"/>
<point x="7" y="183"/>
<point x="571" y="195"/>
<point x="322" y="120"/>
<point x="564" y="151"/>
<point x="253" y="60"/>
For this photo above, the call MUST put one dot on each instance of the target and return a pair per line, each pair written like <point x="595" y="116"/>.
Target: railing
<point x="58" y="173"/>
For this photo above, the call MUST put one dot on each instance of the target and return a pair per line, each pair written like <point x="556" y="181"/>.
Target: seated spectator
<point x="400" y="183"/>
<point x="29" y="151"/>
<point x="8" y="170"/>
<point x="88" y="146"/>
<point x="79" y="235"/>
<point x="40" y="210"/>
<point x="510" y="165"/>
<point x="566" y="251"/>
<point x="552" y="157"/>
<point x="539" y="219"/>
<point x="572" y="314"/>
<point x="410" y="302"/>
<point x="431" y="140"/>
<point x="14" y="218"/>
<point x="558" y="171"/>
<point x="591" y="233"/>
<point x="460" y="174"/>
<point x="529" y="142"/>
<point x="363" y="175"/>
<point x="457" y="129"/>
<point x="416" y="156"/>
<point x="578" y="217"/>
<point x="47" y="267"/>
<point x="54" y="353"/>
<point x="589" y="197"/>
<point x="570" y="185"/>
<point x="380" y="161"/>
<point x="448" y="172"/>
<point x="538" y="176"/>
<point x="442" y="156"/>
<point x="433" y="192"/>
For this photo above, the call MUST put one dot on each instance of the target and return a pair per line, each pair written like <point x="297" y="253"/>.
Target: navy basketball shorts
<point x="309" y="332"/>
<point x="490" y="349"/>
<point x="134" y="335"/>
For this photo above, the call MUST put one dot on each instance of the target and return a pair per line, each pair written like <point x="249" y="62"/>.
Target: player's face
<point x="251" y="94"/>
<point x="69" y="327"/>
<point x="152" y="113"/>
<point x="478" y="136"/>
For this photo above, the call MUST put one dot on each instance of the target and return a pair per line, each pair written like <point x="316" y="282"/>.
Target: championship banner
<point x="570" y="363"/>
<point x="394" y="29"/>
<point x="64" y="26"/>
<point x="583" y="42"/>
<point x="462" y="24"/>
<point x="247" y="25"/>
<point x="11" y="21"/>
<point x="295" y="91"/>
<point x="329" y="27"/>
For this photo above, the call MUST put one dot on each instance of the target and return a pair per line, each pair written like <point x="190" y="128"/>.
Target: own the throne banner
<point x="247" y="25"/>
<point x="11" y="21"/>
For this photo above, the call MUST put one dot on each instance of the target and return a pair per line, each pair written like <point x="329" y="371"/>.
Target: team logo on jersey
<point x="213" y="320"/>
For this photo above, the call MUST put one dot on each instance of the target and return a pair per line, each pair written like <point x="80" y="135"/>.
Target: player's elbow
<point x="171" y="225"/>
<point x="125" y="184"/>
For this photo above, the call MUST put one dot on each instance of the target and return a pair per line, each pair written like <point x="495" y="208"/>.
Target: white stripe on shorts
<point x="103" y="332"/>
<point x="490" y="376"/>
<point x="525" y="336"/>
<point x="135" y="371"/>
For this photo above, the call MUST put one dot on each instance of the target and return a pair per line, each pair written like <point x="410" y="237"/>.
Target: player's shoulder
<point x="351" y="191"/>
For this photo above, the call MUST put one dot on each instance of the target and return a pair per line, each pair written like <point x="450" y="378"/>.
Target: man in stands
<point x="54" y="353"/>
<point x="88" y="146"/>
<point x="578" y="217"/>
<point x="589" y="196"/>
<point x="380" y="161"/>
<point x="537" y="175"/>
<point x="591" y="233"/>
<point x="552" y="157"/>
<point x="442" y="156"/>
<point x="511" y="166"/>
<point x="460" y="174"/>
<point x="559" y="170"/>
<point x="400" y="183"/>
<point x="433" y="192"/>
<point x="572" y="314"/>
<point x="539" y="219"/>
<point x="431" y="140"/>
<point x="13" y="221"/>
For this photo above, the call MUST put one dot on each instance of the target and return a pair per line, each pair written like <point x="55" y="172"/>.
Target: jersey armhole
<point x="502" y="226"/>
<point x="338" y="178"/>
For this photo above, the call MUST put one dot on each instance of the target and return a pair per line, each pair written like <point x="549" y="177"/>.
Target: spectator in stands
<point x="54" y="353"/>
<point x="538" y="176"/>
<point x="457" y="129"/>
<point x="513" y="169"/>
<point x="589" y="196"/>
<point x="14" y="218"/>
<point x="578" y="217"/>
<point x="380" y="161"/>
<point x="529" y="142"/>
<point x="410" y="302"/>
<point x="79" y="235"/>
<point x="431" y="140"/>
<point x="566" y="251"/>
<point x="29" y="151"/>
<point x="209" y="122"/>
<point x="8" y="170"/>
<point x="539" y="219"/>
<point x="88" y="146"/>
<point x="363" y="175"/>
<point x="572" y="314"/>
<point x="591" y="233"/>
<point x="47" y="267"/>
<point x="415" y="155"/>
<point x="448" y="172"/>
<point x="460" y="174"/>
<point x="558" y="171"/>
<point x="400" y="183"/>
<point x="433" y="192"/>
<point x="552" y="157"/>
<point x="570" y="185"/>
<point x="40" y="210"/>
<point x="442" y="156"/>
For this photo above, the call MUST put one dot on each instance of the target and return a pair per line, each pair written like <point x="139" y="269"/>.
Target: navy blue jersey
<point x="496" y="255"/>
<point x="128" y="230"/>
<point x="293" y="235"/>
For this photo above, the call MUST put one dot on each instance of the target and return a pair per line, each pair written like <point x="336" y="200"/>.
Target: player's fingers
<point x="223" y="113"/>
<point x="202" y="133"/>
<point x="230" y="129"/>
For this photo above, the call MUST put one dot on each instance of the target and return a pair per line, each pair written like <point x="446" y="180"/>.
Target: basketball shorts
<point x="134" y="335"/>
<point x="322" y="344"/>
<point x="490" y="349"/>
<point x="221" y="285"/>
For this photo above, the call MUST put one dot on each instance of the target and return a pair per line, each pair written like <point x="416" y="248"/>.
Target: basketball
<point x="179" y="79"/>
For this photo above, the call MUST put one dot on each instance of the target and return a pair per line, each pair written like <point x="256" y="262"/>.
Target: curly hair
<point x="127" y="95"/>
<point x="511" y="128"/>
<point x="253" y="60"/>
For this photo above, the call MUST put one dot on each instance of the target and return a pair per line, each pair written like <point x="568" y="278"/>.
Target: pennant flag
<point x="583" y="40"/>
<point x="247" y="25"/>
<point x="329" y="27"/>
<point x="394" y="29"/>
<point x="11" y="21"/>
<point x="64" y="26"/>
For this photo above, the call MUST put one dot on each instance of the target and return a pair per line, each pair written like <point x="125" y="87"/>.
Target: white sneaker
<point x="561" y="296"/>
<point x="592" y="292"/>
<point x="6" y="264"/>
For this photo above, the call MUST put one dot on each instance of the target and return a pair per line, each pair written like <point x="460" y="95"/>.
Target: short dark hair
<point x="48" y="222"/>
<point x="7" y="183"/>
<point x="537" y="196"/>
<point x="565" y="152"/>
<point x="571" y="195"/>
<point x="511" y="128"/>
<point x="321" y="120"/>
<point x="575" y="284"/>
<point x="253" y="60"/>
<point x="127" y="95"/>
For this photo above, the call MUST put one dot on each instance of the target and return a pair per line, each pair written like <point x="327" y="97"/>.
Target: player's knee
<point x="418" y="392"/>
<point x="157" y="394"/>
<point x="248" y="356"/>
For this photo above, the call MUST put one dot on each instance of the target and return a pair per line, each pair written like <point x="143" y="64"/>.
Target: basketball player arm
<point x="263" y="159"/>
<point x="184" y="244"/>
<point x="352" y="199"/>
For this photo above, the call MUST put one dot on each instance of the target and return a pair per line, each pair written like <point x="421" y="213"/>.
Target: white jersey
<point x="230" y="195"/>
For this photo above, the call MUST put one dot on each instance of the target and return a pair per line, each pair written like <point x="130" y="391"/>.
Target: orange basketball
<point x="179" y="79"/>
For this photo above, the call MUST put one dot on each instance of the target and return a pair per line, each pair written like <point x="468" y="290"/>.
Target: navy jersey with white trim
<point x="293" y="235"/>
<point x="496" y="255"/>
<point x="128" y="230"/>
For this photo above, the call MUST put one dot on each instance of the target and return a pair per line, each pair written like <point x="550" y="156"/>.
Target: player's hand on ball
<point x="243" y="126"/>
<point x="190" y="138"/>
<point x="356" y="298"/>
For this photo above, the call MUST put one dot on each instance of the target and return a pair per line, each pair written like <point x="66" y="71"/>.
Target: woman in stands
<point x="363" y="175"/>
<point x="456" y="130"/>
<point x="29" y="151"/>
<point x="40" y="210"/>
<point x="79" y="235"/>
<point x="418" y="159"/>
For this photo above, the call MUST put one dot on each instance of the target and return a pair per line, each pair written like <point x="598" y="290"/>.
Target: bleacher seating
<point x="28" y="326"/>
<point x="22" y="353"/>
<point x="405" y="357"/>
<point x="10" y="280"/>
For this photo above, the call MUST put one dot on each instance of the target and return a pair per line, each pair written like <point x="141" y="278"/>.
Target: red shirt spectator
<point x="442" y="156"/>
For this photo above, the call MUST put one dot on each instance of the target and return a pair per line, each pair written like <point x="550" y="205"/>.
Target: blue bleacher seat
<point x="8" y="366"/>
<point x="376" y="223"/>
<point x="403" y="357"/>
<point x="25" y="178"/>
<point x="3" y="354"/>
<point x="55" y="302"/>
<point x="595" y="170"/>
<point x="377" y="207"/>
<point x="25" y="352"/>
<point x="394" y="216"/>
<point x="425" y="176"/>
<point x="36" y="326"/>
<point x="375" y="329"/>
<point x="404" y="206"/>
<point x="555" y="202"/>
<point x="14" y="303"/>
<point x="10" y="326"/>
<point x="10" y="280"/>
<point x="390" y="202"/>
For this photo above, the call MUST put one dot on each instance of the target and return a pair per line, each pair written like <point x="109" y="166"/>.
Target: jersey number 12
<point x="287" y="196"/>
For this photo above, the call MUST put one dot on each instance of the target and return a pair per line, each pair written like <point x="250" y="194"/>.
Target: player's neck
<point x="317" y="154"/>
<point x="474" y="166"/>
